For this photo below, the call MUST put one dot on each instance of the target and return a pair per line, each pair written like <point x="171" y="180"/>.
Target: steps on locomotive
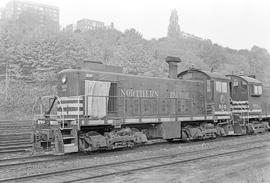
<point x="69" y="137"/>
<point x="55" y="136"/>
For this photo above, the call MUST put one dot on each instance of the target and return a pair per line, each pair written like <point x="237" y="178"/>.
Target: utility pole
<point x="7" y="84"/>
<point x="6" y="75"/>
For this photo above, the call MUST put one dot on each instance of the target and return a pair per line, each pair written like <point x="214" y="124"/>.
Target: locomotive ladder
<point x="242" y="112"/>
<point x="245" y="118"/>
<point x="64" y="130"/>
<point x="68" y="129"/>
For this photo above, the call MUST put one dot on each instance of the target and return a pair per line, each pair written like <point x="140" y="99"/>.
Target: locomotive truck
<point x="99" y="107"/>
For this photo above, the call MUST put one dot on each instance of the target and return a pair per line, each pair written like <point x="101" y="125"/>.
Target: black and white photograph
<point x="135" y="91"/>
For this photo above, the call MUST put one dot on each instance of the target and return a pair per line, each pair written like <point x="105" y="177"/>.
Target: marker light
<point x="64" y="79"/>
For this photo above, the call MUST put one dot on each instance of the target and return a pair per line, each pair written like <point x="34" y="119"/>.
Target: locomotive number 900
<point x="222" y="107"/>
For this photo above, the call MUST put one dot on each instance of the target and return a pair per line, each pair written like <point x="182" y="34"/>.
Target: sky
<point x="238" y="24"/>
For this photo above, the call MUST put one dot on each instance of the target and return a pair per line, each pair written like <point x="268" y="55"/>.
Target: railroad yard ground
<point x="251" y="167"/>
<point x="230" y="159"/>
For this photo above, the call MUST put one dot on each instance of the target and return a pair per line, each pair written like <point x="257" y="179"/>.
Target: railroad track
<point x="30" y="160"/>
<point x="121" y="167"/>
<point x="8" y="137"/>
<point x="15" y="121"/>
<point x="15" y="148"/>
<point x="15" y="136"/>
<point x="8" y="143"/>
<point x="140" y="165"/>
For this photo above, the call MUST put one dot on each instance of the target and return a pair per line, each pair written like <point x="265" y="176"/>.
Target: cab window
<point x="244" y="85"/>
<point x="224" y="87"/>
<point x="257" y="90"/>
<point x="221" y="87"/>
<point x="218" y="86"/>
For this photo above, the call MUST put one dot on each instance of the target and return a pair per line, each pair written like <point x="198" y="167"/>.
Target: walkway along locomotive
<point x="99" y="107"/>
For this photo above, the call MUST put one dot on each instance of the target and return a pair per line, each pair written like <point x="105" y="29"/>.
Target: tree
<point x="259" y="60"/>
<point x="174" y="28"/>
<point x="32" y="58"/>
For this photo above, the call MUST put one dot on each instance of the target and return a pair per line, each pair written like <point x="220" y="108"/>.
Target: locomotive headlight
<point x="64" y="79"/>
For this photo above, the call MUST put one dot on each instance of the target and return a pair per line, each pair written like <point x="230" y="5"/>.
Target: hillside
<point x="32" y="59"/>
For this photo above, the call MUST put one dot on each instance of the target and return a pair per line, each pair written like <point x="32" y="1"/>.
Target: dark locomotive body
<point x="130" y="97"/>
<point x="247" y="93"/>
<point x="217" y="92"/>
<point x="265" y="98"/>
<point x="99" y="107"/>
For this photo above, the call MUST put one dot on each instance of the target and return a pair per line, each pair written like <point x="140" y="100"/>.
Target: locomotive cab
<point x="217" y="99"/>
<point x="246" y="95"/>
<point x="246" y="101"/>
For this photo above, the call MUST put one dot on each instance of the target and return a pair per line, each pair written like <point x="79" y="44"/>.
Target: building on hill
<point x="86" y="24"/>
<point x="190" y="36"/>
<point x="23" y="11"/>
<point x="70" y="28"/>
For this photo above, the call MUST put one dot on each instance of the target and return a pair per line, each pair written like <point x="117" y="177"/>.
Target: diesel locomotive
<point x="99" y="107"/>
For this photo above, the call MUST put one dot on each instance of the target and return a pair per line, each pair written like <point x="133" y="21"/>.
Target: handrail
<point x="50" y="115"/>
<point x="152" y="111"/>
<point x="78" y="96"/>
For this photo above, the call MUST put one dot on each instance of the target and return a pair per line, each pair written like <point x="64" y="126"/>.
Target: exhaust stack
<point x="252" y="76"/>
<point x="173" y="61"/>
